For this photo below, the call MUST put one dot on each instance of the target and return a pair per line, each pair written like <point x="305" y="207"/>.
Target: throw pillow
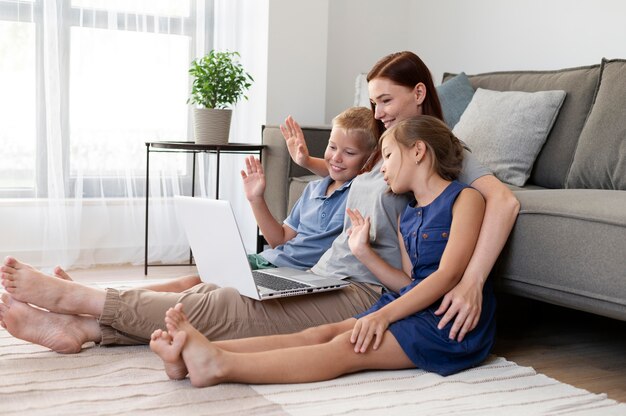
<point x="506" y="129"/>
<point x="455" y="94"/>
<point x="600" y="158"/>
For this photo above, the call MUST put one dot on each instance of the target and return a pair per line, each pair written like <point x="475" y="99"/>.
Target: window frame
<point x="68" y="17"/>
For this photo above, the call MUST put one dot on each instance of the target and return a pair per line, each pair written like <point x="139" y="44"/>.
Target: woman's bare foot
<point x="202" y="358"/>
<point x="64" y="334"/>
<point x="62" y="274"/>
<point x="169" y="350"/>
<point x="29" y="285"/>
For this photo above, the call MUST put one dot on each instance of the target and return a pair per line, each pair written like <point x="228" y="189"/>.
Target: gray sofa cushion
<point x="600" y="158"/>
<point x="554" y="160"/>
<point x="455" y="94"/>
<point x="567" y="247"/>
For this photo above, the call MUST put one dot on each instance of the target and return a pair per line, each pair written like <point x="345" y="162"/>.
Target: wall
<point x="476" y="36"/>
<point x="359" y="33"/>
<point x="495" y="35"/>
<point x="297" y="53"/>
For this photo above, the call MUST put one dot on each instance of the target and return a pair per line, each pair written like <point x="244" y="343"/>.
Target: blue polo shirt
<point x="317" y="219"/>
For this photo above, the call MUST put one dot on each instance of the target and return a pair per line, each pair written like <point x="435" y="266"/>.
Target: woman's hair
<point x="445" y="147"/>
<point x="407" y="69"/>
<point x="359" y="121"/>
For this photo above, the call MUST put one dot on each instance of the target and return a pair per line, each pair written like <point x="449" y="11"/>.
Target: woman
<point x="400" y="87"/>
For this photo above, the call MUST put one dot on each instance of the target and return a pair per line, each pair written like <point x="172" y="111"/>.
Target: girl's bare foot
<point x="169" y="350"/>
<point x="64" y="334"/>
<point x="202" y="358"/>
<point x="29" y="285"/>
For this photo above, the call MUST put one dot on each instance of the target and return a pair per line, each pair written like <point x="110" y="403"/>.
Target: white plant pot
<point x="211" y="126"/>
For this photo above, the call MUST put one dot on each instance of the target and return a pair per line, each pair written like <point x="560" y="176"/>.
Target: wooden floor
<point x="577" y="348"/>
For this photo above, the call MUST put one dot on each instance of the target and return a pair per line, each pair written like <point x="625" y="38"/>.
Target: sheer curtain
<point x="85" y="83"/>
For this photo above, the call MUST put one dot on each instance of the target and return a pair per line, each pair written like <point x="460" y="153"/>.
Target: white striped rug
<point x="130" y="380"/>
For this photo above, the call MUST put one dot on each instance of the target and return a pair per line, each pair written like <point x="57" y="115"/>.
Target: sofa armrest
<point x="280" y="169"/>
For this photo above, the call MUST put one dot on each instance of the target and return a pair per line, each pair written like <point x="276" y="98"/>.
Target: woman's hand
<point x="463" y="304"/>
<point x="367" y="328"/>
<point x="253" y="179"/>
<point x="359" y="232"/>
<point x="296" y="145"/>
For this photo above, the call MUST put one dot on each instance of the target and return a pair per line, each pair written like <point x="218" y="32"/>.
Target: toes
<point x="6" y="299"/>
<point x="10" y="261"/>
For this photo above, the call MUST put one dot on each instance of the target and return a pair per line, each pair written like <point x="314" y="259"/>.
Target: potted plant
<point x="219" y="81"/>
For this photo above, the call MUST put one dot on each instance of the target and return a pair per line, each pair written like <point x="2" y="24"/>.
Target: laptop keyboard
<point x="276" y="283"/>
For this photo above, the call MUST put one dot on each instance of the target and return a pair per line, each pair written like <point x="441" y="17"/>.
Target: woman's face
<point x="393" y="102"/>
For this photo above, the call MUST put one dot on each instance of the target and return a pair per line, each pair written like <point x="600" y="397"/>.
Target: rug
<point x="130" y="380"/>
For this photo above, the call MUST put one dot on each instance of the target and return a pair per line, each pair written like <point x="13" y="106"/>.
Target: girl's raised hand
<point x="253" y="179"/>
<point x="359" y="232"/>
<point x="294" y="138"/>
<point x="368" y="328"/>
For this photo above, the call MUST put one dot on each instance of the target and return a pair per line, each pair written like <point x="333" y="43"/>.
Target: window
<point x="84" y="101"/>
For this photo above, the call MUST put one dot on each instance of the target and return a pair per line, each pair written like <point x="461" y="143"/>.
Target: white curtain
<point x="242" y="26"/>
<point x="85" y="83"/>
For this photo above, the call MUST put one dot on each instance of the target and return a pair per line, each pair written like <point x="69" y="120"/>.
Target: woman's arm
<point x="464" y="302"/>
<point x="254" y="187"/>
<point x="468" y="212"/>
<point x="298" y="150"/>
<point x="359" y="242"/>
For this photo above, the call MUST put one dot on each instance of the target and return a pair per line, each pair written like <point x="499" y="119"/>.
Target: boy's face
<point x="345" y="155"/>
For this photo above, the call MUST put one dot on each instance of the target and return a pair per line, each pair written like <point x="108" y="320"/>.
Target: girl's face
<point x="394" y="159"/>
<point x="393" y="102"/>
<point x="345" y="154"/>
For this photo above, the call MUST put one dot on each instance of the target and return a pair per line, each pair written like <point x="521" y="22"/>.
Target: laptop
<point x="221" y="258"/>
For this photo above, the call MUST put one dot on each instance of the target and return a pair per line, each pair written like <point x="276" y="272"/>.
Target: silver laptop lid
<point x="216" y="243"/>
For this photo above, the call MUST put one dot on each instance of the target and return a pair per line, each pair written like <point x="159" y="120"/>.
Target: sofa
<point x="568" y="245"/>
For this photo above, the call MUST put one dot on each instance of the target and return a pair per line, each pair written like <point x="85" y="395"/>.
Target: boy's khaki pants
<point x="129" y="317"/>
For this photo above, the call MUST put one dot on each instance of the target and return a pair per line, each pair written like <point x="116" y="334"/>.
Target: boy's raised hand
<point x="253" y="179"/>
<point x="294" y="138"/>
<point x="359" y="232"/>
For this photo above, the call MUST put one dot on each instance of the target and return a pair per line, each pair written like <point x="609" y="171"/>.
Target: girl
<point x="439" y="230"/>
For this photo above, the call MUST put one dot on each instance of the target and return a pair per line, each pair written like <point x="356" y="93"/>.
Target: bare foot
<point x="169" y="350"/>
<point x="29" y="285"/>
<point x="202" y="358"/>
<point x="64" y="334"/>
<point x="61" y="274"/>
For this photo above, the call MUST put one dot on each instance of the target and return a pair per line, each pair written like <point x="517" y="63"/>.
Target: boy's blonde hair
<point x="444" y="146"/>
<point x="361" y="121"/>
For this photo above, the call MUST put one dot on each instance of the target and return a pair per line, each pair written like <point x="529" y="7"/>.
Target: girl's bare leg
<point x="311" y="336"/>
<point x="61" y="333"/>
<point x="29" y="285"/>
<point x="208" y="365"/>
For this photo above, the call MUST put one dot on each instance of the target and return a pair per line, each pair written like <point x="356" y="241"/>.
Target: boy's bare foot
<point x="64" y="334"/>
<point x="29" y="285"/>
<point x="169" y="350"/>
<point x="202" y="358"/>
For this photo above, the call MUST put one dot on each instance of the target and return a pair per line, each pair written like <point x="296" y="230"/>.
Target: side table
<point x="194" y="149"/>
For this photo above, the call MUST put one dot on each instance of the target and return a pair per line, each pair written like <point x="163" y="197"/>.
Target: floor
<point x="574" y="347"/>
<point x="578" y="348"/>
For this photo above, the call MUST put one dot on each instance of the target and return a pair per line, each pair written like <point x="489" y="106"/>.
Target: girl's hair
<point x="359" y="121"/>
<point x="445" y="147"/>
<point x="407" y="69"/>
